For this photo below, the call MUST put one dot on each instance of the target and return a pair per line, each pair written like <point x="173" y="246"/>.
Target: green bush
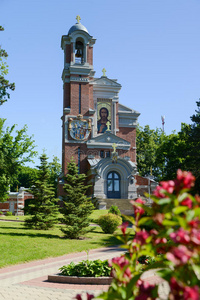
<point x="1" y="213"/>
<point x="9" y="213"/>
<point x="109" y="222"/>
<point x="86" y="268"/>
<point x="114" y="210"/>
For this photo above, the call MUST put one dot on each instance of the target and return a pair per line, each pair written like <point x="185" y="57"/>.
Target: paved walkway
<point x="29" y="281"/>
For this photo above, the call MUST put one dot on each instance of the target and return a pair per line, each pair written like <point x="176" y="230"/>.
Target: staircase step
<point x="124" y="205"/>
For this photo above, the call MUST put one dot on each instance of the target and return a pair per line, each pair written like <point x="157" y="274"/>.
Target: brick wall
<point x="129" y="134"/>
<point x="90" y="55"/>
<point x="68" y="53"/>
<point x="18" y="199"/>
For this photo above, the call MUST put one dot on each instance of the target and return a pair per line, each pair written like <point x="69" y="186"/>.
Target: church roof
<point x="77" y="26"/>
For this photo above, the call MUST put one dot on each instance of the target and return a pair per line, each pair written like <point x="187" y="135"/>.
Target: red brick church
<point x="98" y="131"/>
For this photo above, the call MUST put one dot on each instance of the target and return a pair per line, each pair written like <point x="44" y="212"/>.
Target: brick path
<point x="29" y="281"/>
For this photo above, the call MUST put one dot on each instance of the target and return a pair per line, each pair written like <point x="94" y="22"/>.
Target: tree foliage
<point x="16" y="148"/>
<point x="77" y="206"/>
<point x="43" y="209"/>
<point x="148" y="141"/>
<point x="5" y="85"/>
<point x="55" y="170"/>
<point x="165" y="154"/>
<point x="25" y="178"/>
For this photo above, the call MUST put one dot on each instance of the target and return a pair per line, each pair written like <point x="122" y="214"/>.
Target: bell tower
<point x="78" y="104"/>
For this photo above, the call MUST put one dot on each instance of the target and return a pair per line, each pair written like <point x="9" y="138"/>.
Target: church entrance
<point x="113" y="185"/>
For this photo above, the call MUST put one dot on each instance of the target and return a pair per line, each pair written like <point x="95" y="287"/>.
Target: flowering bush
<point x="174" y="222"/>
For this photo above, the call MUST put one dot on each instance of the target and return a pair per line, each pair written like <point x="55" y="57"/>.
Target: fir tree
<point x="43" y="209"/>
<point x="77" y="206"/>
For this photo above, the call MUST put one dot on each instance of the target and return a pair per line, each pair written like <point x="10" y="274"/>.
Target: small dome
<point x="77" y="26"/>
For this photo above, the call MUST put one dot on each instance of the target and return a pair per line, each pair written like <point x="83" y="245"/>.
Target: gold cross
<point x="78" y="18"/>
<point x="108" y="126"/>
<point x="104" y="72"/>
<point x="114" y="147"/>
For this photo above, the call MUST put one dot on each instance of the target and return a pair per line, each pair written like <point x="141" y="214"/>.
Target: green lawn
<point x="18" y="244"/>
<point x="95" y="214"/>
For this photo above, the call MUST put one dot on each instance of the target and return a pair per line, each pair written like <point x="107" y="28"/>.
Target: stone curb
<point x="80" y="280"/>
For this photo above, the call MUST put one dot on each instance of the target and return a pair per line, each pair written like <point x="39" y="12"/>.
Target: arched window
<point x="79" y="58"/>
<point x="113" y="185"/>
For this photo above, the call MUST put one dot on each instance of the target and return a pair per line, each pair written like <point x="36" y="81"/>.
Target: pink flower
<point x="164" y="187"/>
<point x="145" y="291"/>
<point x="90" y="296"/>
<point x="176" y="289"/>
<point x="138" y="210"/>
<point x="123" y="263"/>
<point x="140" y="237"/>
<point x="195" y="236"/>
<point x="195" y="223"/>
<point x="191" y="293"/>
<point x="181" y="236"/>
<point x="179" y="255"/>
<point x="184" y="180"/>
<point x="160" y="241"/>
<point x="78" y="297"/>
<point x="158" y="218"/>
<point x="123" y="227"/>
<point x="187" y="202"/>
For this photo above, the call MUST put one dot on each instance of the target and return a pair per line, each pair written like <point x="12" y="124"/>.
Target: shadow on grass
<point x="33" y="235"/>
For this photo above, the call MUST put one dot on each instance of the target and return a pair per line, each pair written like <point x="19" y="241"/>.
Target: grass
<point x="95" y="214"/>
<point x="18" y="244"/>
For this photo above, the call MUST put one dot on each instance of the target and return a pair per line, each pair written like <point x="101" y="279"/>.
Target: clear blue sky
<point x="151" y="46"/>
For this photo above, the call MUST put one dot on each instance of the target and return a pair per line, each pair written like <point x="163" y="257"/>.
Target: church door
<point x="113" y="185"/>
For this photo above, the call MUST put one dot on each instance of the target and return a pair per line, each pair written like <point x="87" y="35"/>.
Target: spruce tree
<point x="43" y="209"/>
<point x="77" y="206"/>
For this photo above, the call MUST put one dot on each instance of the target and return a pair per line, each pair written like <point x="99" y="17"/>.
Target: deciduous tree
<point x="5" y="85"/>
<point x="16" y="148"/>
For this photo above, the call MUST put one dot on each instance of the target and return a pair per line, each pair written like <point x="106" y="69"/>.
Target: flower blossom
<point x="181" y="236"/>
<point x="195" y="236"/>
<point x="187" y="202"/>
<point x="191" y="293"/>
<point x="158" y="218"/>
<point x="123" y="263"/>
<point x="176" y="289"/>
<point x="123" y="227"/>
<point x="164" y="187"/>
<point x="195" y="223"/>
<point x="140" y="237"/>
<point x="184" y="180"/>
<point x="90" y="296"/>
<point x="145" y="291"/>
<point x="179" y="255"/>
<point x="138" y="210"/>
<point x="78" y="297"/>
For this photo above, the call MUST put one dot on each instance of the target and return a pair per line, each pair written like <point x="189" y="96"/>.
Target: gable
<point x="106" y="140"/>
<point x="125" y="109"/>
<point x="104" y="81"/>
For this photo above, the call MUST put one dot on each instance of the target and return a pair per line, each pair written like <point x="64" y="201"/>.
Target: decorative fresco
<point x="104" y="114"/>
<point x="79" y="128"/>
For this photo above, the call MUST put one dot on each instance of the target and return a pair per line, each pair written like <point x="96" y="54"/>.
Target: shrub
<point x="114" y="210"/>
<point x="177" y="213"/>
<point x="1" y="213"/>
<point x="9" y="213"/>
<point x="86" y="268"/>
<point x="109" y="222"/>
